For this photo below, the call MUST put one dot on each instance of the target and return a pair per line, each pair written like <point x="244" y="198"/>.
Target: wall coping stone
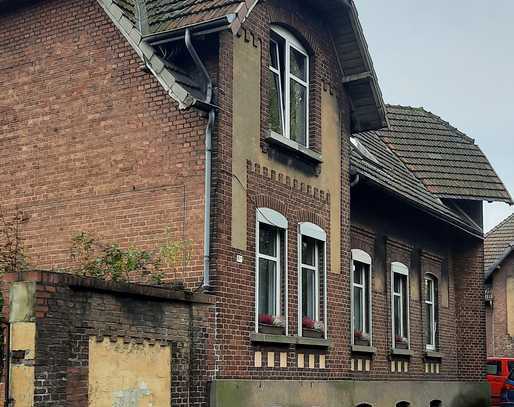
<point x="95" y="284"/>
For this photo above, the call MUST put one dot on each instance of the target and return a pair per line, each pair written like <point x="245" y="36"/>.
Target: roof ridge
<point x="499" y="225"/>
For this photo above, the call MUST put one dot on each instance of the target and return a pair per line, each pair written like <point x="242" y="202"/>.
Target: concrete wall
<point x="346" y="393"/>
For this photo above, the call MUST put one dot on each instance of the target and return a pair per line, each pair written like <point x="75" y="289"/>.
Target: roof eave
<point x="508" y="200"/>
<point x="495" y="266"/>
<point x="477" y="233"/>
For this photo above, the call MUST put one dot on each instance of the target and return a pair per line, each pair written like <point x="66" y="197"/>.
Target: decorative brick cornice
<point x="286" y="180"/>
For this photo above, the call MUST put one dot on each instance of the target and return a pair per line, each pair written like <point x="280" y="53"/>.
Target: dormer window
<point x="289" y="87"/>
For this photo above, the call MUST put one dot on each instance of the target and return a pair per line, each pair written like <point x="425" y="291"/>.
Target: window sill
<point x="289" y="340"/>
<point x="401" y="352"/>
<point x="430" y="354"/>
<point x="364" y="349"/>
<point x="290" y="145"/>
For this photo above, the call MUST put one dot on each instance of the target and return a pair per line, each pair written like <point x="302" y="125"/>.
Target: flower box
<point x="271" y="329"/>
<point x="312" y="333"/>
<point x="361" y="342"/>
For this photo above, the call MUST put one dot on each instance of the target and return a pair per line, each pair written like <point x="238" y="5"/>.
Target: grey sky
<point x="456" y="59"/>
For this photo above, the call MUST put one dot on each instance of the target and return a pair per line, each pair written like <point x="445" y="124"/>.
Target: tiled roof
<point x="498" y="240"/>
<point x="165" y="15"/>
<point x="447" y="161"/>
<point x="392" y="174"/>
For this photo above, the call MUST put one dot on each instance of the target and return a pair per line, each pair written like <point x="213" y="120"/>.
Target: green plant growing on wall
<point x="97" y="259"/>
<point x="12" y="250"/>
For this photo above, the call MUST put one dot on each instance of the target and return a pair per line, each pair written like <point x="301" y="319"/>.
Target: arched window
<point x="312" y="280"/>
<point x="436" y="403"/>
<point x="400" y="305"/>
<point x="431" y="311"/>
<point x="271" y="272"/>
<point x="289" y="87"/>
<point x="361" y="298"/>
<point x="403" y="404"/>
<point x="364" y="405"/>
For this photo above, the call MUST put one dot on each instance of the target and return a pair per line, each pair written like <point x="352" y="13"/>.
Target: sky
<point x="456" y="59"/>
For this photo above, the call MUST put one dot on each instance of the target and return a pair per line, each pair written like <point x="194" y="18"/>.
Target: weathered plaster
<point x="22" y="385"/>
<point x="23" y="337"/>
<point x="128" y="374"/>
<point x="510" y="306"/>
<point x="22" y="297"/>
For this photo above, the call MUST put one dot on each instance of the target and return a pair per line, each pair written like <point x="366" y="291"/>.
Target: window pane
<point x="428" y="324"/>
<point x="357" y="274"/>
<point x="397" y="318"/>
<point x="493" y="368"/>
<point x="267" y="240"/>
<point x="298" y="113"/>
<point x="273" y="49"/>
<point x="275" y="104"/>
<point x="397" y="283"/>
<point x="267" y="287"/>
<point x="405" y="309"/>
<point x="357" y="309"/>
<point x="298" y="65"/>
<point x="428" y="289"/>
<point x="308" y="251"/>
<point x="308" y="293"/>
<point x="367" y="299"/>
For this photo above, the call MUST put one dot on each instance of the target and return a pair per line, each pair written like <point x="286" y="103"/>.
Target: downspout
<point x="208" y="160"/>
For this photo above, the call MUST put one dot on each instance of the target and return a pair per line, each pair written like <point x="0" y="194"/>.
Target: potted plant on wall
<point x="312" y="328"/>
<point x="360" y="338"/>
<point x="401" y="342"/>
<point x="271" y="324"/>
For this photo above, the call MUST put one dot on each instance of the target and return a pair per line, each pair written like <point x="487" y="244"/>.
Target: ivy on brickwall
<point x="108" y="261"/>
<point x="12" y="251"/>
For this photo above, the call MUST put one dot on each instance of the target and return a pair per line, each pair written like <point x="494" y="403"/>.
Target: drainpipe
<point x="208" y="160"/>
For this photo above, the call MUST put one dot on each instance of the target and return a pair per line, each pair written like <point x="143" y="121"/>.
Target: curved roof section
<point x="448" y="162"/>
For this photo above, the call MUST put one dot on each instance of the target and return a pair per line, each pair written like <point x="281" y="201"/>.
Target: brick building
<point x="343" y="261"/>
<point x="499" y="280"/>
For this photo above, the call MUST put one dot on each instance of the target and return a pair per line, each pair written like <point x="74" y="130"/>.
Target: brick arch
<point x="308" y="216"/>
<point x="266" y="201"/>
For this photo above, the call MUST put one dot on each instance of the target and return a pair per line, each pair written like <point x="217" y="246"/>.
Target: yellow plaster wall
<point x="246" y="146"/>
<point x="23" y="337"/>
<point x="510" y="306"/>
<point x="22" y="385"/>
<point x="130" y="374"/>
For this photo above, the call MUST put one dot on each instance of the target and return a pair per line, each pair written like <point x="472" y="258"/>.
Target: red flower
<point x="265" y="319"/>
<point x="308" y="323"/>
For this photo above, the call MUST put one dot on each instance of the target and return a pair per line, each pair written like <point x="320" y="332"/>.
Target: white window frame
<point x="362" y="257"/>
<point x="402" y="269"/>
<point x="314" y="232"/>
<point x="273" y="218"/>
<point x="433" y="305"/>
<point x="292" y="42"/>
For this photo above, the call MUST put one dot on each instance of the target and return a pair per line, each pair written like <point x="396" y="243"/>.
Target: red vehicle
<point x="498" y="369"/>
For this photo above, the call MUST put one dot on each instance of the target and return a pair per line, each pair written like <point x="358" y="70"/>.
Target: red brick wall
<point x="424" y="262"/>
<point x="468" y="259"/>
<point x="499" y="342"/>
<point x="90" y="142"/>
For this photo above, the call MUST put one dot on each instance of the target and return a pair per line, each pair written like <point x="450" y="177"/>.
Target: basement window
<point x="289" y="87"/>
